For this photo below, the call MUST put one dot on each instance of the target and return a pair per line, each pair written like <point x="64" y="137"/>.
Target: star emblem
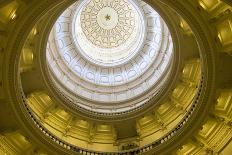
<point x="108" y="17"/>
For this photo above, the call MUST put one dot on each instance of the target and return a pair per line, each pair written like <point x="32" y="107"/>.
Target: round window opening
<point x="109" y="55"/>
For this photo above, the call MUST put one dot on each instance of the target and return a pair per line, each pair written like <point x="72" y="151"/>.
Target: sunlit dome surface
<point x="107" y="32"/>
<point x="109" y="56"/>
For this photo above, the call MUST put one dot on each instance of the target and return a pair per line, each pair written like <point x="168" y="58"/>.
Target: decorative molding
<point x="183" y="130"/>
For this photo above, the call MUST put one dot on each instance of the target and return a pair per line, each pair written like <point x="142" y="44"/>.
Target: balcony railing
<point x="143" y="149"/>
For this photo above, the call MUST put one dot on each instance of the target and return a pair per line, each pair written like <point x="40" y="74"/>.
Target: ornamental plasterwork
<point x="107" y="33"/>
<point x="108" y="23"/>
<point x="121" y="82"/>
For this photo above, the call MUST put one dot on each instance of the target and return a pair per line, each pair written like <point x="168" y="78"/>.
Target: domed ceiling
<point x="109" y="56"/>
<point x="133" y="91"/>
<point x="108" y="32"/>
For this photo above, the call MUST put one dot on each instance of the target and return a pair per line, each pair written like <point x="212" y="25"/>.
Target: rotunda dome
<point x="109" y="56"/>
<point x="116" y="77"/>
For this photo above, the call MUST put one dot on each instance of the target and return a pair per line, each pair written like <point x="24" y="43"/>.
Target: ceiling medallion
<point x="108" y="33"/>
<point x="108" y="24"/>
